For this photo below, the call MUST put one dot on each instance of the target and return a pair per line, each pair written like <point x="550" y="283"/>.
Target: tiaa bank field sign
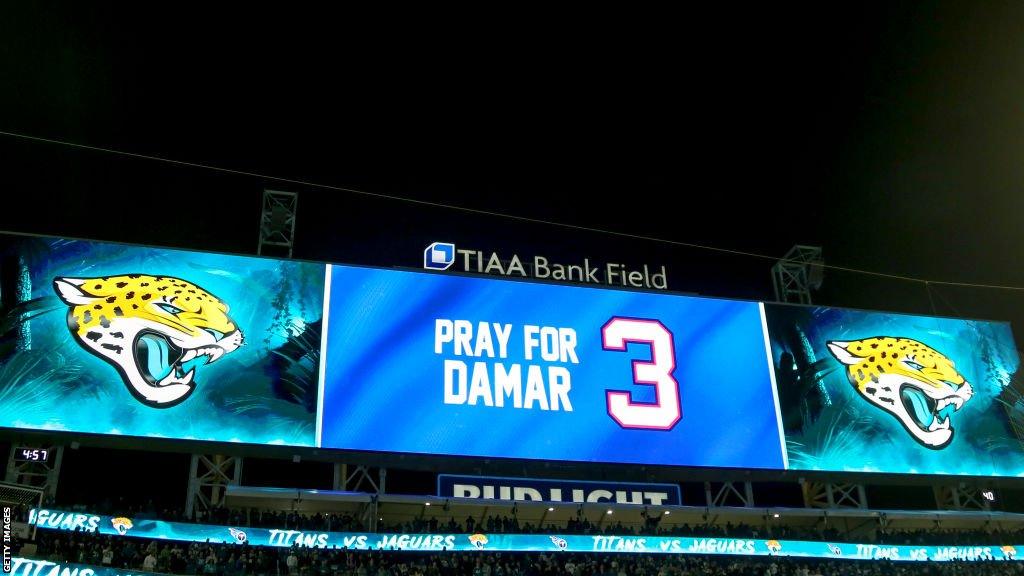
<point x="445" y="256"/>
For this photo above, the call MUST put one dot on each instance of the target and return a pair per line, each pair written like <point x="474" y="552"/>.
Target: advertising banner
<point x="536" y="490"/>
<point x="439" y="364"/>
<point x="876" y="392"/>
<point x="158" y="529"/>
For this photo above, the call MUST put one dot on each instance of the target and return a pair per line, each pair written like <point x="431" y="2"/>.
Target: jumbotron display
<point x="874" y="392"/>
<point x="115" y="339"/>
<point x="526" y="370"/>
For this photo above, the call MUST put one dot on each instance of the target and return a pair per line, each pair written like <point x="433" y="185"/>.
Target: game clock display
<point x="22" y="454"/>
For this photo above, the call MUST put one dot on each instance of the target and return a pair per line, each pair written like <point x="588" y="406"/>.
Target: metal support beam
<point x="960" y="497"/>
<point x="830" y="495"/>
<point x="340" y="476"/>
<point x="208" y="476"/>
<point x="41" y="475"/>
<point x="359" y="479"/>
<point x="367" y="514"/>
<point x="277" y="222"/>
<point x="797" y="273"/>
<point x="21" y="496"/>
<point x="729" y="495"/>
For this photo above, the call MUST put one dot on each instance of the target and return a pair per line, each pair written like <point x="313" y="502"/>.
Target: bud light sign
<point x="570" y="491"/>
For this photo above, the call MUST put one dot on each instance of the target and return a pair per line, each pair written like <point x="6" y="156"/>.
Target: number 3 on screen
<point x="665" y="411"/>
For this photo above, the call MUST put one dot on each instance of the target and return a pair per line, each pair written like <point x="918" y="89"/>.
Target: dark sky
<point x="890" y="135"/>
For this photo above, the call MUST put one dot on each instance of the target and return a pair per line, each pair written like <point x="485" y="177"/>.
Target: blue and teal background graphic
<point x="384" y="383"/>
<point x="829" y="426"/>
<point x="483" y="542"/>
<point x="265" y="392"/>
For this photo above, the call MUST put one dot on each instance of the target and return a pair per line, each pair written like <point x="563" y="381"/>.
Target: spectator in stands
<point x="108" y="555"/>
<point x="292" y="562"/>
<point x="149" y="564"/>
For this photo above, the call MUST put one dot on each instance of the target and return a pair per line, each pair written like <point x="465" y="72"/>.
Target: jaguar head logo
<point x="122" y="525"/>
<point x="909" y="380"/>
<point x="157" y="331"/>
<point x="478" y="540"/>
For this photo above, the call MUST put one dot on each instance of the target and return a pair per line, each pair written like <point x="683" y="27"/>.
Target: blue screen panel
<point x="440" y="364"/>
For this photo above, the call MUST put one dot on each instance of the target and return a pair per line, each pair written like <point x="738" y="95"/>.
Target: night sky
<point x="890" y="135"/>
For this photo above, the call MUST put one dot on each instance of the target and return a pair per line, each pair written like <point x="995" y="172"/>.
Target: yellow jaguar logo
<point x="155" y="330"/>
<point x="915" y="383"/>
<point x="478" y="540"/>
<point x="122" y="525"/>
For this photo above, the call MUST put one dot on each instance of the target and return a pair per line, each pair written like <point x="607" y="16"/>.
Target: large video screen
<point x="875" y="392"/>
<point x="117" y="339"/>
<point x="125" y="340"/>
<point x="440" y="364"/>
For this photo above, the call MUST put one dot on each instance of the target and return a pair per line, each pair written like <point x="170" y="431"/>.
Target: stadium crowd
<point x="242" y="560"/>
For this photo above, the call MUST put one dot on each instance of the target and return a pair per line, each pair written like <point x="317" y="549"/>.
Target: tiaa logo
<point x="439" y="256"/>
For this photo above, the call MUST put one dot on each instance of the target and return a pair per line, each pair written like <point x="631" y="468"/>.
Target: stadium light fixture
<point x="667" y="512"/>
<point x="551" y="508"/>
<point x="609" y="510"/>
